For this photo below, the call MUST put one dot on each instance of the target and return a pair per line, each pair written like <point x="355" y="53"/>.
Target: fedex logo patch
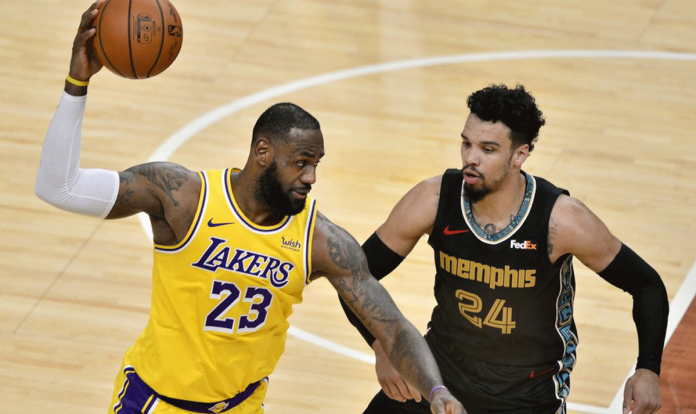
<point x="525" y="245"/>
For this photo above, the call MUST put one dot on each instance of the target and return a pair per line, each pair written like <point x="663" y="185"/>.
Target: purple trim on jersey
<point x="310" y="222"/>
<point x="226" y="179"/>
<point x="201" y="213"/>
<point x="126" y="370"/>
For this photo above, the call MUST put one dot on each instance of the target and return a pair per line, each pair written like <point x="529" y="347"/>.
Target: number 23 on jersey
<point x="228" y="294"/>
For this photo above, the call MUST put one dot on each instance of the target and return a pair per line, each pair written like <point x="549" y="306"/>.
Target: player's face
<point x="285" y="183"/>
<point x="486" y="156"/>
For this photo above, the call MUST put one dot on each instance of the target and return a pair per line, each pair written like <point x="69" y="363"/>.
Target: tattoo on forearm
<point x="345" y="252"/>
<point x="340" y="253"/>
<point x="405" y="354"/>
<point x="552" y="235"/>
<point x="169" y="178"/>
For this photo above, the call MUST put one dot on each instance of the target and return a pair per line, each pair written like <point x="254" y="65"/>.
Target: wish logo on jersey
<point x="291" y="244"/>
<point x="217" y="256"/>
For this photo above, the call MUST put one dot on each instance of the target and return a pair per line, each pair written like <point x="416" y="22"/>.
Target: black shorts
<point x="382" y="404"/>
<point x="486" y="388"/>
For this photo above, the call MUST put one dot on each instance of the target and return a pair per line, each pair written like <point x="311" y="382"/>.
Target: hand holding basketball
<point x="84" y="62"/>
<point x="137" y="38"/>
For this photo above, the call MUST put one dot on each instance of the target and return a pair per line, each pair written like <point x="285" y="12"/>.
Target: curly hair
<point x="516" y="108"/>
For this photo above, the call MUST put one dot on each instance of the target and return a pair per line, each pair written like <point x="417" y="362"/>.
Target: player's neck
<point x="496" y="210"/>
<point x="244" y="190"/>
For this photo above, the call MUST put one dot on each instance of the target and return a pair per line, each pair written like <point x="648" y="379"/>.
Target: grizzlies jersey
<point x="221" y="298"/>
<point x="499" y="298"/>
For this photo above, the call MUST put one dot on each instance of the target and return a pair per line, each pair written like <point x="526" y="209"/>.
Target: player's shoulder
<point x="417" y="208"/>
<point x="435" y="181"/>
<point x="425" y="189"/>
<point x="568" y="208"/>
<point x="571" y="219"/>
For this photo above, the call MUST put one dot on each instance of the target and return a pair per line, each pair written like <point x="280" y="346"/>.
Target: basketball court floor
<point x="388" y="80"/>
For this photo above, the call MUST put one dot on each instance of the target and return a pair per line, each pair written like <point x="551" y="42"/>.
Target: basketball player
<point x="233" y="252"/>
<point x="502" y="331"/>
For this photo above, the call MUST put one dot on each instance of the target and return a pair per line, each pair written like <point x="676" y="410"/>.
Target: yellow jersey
<point x="221" y="298"/>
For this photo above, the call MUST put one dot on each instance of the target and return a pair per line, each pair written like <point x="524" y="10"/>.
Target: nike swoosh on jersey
<point x="533" y="375"/>
<point x="211" y="224"/>
<point x="449" y="232"/>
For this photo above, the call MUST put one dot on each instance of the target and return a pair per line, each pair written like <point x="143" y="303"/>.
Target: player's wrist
<point x="435" y="390"/>
<point x="75" y="90"/>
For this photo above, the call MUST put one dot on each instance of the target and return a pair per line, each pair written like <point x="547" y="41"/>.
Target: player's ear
<point x="520" y="155"/>
<point x="263" y="152"/>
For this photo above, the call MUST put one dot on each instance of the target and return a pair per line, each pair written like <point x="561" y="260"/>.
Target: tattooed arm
<point x="167" y="192"/>
<point x="338" y="256"/>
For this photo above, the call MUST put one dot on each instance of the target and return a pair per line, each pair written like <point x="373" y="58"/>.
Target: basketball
<point x="137" y="39"/>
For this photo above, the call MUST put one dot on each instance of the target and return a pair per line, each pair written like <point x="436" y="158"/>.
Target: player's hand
<point x="444" y="403"/>
<point x="642" y="393"/>
<point x="393" y="385"/>
<point x="84" y="62"/>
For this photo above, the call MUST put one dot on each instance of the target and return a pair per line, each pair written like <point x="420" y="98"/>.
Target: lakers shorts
<point x="133" y="396"/>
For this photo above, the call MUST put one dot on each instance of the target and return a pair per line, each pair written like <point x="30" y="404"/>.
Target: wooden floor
<point x="75" y="291"/>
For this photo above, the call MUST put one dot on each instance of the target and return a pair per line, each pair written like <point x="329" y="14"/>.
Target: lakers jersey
<point x="221" y="298"/>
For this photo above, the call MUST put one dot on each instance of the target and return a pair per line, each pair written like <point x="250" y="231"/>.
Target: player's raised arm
<point x="337" y="256"/>
<point x="155" y="188"/>
<point x="574" y="229"/>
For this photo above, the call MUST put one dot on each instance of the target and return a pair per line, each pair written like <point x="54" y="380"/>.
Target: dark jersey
<point x="499" y="298"/>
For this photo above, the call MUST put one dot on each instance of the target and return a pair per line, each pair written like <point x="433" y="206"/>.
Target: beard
<point x="476" y="193"/>
<point x="271" y="192"/>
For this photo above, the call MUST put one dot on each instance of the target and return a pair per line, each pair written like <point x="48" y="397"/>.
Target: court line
<point x="330" y="345"/>
<point x="175" y="141"/>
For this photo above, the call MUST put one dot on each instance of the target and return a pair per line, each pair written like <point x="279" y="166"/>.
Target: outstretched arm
<point x="165" y="191"/>
<point x="337" y="256"/>
<point x="574" y="229"/>
<point x="412" y="217"/>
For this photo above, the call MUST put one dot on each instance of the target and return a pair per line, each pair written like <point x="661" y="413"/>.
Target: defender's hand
<point x="84" y="62"/>
<point x="444" y="403"/>
<point x="642" y="393"/>
<point x="393" y="385"/>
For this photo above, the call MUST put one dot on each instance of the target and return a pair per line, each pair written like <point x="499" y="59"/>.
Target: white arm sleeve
<point x="60" y="181"/>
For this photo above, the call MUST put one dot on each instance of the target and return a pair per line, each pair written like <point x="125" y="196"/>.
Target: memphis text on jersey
<point x="490" y="275"/>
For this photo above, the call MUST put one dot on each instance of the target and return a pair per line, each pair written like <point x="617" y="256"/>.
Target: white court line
<point x="331" y="346"/>
<point x="176" y="140"/>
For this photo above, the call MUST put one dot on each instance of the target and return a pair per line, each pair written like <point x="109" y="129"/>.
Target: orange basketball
<point x="137" y="39"/>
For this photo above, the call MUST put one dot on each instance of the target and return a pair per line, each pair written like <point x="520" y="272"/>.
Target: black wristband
<point x="381" y="260"/>
<point x="650" y="304"/>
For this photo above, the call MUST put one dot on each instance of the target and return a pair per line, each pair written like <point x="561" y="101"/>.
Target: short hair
<point x="516" y="108"/>
<point x="276" y="122"/>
